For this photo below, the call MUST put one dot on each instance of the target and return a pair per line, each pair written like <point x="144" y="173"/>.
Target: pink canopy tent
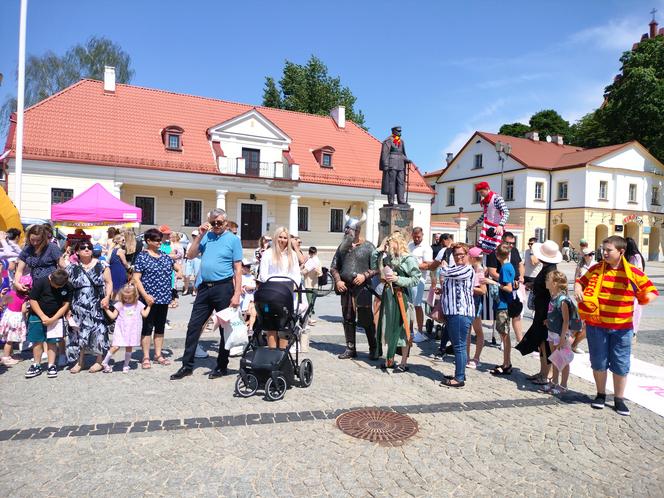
<point x="95" y="206"/>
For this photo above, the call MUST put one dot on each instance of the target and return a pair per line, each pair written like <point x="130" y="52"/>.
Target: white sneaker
<point x="168" y="326"/>
<point x="419" y="337"/>
<point x="200" y="352"/>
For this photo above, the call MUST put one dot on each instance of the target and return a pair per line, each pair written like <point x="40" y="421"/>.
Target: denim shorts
<point x="609" y="349"/>
<point x="479" y="305"/>
<point x="417" y="292"/>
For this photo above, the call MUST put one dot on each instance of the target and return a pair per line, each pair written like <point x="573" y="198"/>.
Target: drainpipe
<point x="548" y="214"/>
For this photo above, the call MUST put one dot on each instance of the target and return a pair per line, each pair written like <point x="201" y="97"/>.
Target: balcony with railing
<point x="258" y="169"/>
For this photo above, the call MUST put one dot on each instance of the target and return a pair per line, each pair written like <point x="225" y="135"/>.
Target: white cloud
<point x="514" y="80"/>
<point x="614" y="35"/>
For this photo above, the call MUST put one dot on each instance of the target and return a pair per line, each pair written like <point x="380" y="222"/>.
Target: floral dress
<point x="86" y="310"/>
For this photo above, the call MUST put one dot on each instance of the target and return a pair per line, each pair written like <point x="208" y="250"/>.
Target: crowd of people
<point x="97" y="298"/>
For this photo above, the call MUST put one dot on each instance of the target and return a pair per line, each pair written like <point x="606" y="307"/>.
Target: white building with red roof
<point x="178" y="156"/>
<point x="558" y="191"/>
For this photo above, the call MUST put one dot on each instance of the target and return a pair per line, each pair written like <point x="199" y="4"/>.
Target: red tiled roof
<point x="83" y="124"/>
<point x="434" y="173"/>
<point x="545" y="155"/>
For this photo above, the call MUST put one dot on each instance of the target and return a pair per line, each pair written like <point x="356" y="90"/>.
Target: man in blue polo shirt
<point x="221" y="274"/>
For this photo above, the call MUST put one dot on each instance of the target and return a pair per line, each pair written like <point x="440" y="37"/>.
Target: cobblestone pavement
<point x="141" y="434"/>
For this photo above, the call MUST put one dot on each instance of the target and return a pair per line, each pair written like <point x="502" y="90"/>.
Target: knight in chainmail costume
<point x="351" y="270"/>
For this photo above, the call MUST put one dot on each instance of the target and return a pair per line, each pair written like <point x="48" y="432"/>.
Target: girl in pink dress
<point x="12" y="324"/>
<point x="128" y="314"/>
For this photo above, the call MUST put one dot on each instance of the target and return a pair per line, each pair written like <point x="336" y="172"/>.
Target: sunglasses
<point x="217" y="223"/>
<point x="85" y="248"/>
<point x="154" y="239"/>
<point x="530" y="243"/>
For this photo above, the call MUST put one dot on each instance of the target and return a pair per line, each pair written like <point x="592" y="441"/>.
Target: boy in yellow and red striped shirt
<point x="609" y="333"/>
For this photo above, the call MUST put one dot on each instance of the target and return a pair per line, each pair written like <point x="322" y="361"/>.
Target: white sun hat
<point x="548" y="252"/>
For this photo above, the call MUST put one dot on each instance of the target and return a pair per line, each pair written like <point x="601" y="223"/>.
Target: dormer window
<point x="171" y="136"/>
<point x="324" y="156"/>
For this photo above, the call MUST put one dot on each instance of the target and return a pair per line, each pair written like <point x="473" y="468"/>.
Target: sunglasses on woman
<point x="85" y="248"/>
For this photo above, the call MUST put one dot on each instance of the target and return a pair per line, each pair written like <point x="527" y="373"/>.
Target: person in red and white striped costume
<point x="493" y="219"/>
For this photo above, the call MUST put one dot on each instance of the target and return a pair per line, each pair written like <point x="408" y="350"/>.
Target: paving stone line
<point x="258" y="418"/>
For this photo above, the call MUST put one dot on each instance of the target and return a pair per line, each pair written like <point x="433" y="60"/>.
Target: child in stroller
<point x="275" y="368"/>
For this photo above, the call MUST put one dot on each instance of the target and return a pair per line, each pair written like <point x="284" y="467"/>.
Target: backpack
<point x="575" y="323"/>
<point x="322" y="278"/>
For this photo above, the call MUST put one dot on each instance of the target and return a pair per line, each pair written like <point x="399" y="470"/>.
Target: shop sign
<point x="618" y="228"/>
<point x="646" y="230"/>
<point x="633" y="218"/>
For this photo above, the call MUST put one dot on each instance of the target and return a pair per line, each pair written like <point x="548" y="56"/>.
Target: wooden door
<point x="251" y="219"/>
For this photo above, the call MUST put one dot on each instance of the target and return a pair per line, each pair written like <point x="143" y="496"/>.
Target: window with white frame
<point x="632" y="192"/>
<point x="655" y="195"/>
<point x="302" y="219"/>
<point x="603" y="190"/>
<point x="336" y="220"/>
<point x="509" y="189"/>
<point x="539" y="191"/>
<point x="478" y="161"/>
<point x="193" y="211"/>
<point x="540" y="234"/>
<point x="450" y="196"/>
<point x="476" y="197"/>
<point x="562" y="191"/>
<point x="147" y="207"/>
<point x="173" y="141"/>
<point x="326" y="160"/>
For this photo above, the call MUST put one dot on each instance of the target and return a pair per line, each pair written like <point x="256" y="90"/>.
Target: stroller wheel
<point x="274" y="391"/>
<point x="429" y="326"/>
<point x="306" y="373"/>
<point x="246" y="386"/>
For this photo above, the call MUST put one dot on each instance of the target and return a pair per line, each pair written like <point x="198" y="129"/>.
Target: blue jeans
<point x="609" y="349"/>
<point x="457" y="329"/>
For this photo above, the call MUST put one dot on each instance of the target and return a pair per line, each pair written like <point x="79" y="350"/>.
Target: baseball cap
<point x="475" y="252"/>
<point x="164" y="229"/>
<point x="482" y="185"/>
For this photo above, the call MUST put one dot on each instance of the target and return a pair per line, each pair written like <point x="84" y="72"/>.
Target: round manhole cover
<point x="377" y="426"/>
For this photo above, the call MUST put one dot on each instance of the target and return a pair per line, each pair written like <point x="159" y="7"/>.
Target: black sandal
<point x="400" y="369"/>
<point x="448" y="383"/>
<point x="501" y="370"/>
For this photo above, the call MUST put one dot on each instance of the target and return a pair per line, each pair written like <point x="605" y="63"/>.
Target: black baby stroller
<point x="275" y="369"/>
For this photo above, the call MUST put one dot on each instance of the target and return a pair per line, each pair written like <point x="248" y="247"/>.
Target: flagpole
<point x="20" y="104"/>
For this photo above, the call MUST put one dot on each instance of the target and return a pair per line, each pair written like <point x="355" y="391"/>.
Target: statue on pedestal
<point x="394" y="164"/>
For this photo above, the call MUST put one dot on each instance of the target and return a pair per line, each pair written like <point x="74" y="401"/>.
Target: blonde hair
<point x="127" y="290"/>
<point x="277" y="254"/>
<point x="130" y="241"/>
<point x="176" y="235"/>
<point x="559" y="280"/>
<point x="402" y="246"/>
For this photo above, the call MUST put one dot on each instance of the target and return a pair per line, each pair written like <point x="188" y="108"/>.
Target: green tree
<point x="549" y="122"/>
<point x="49" y="73"/>
<point x="271" y="95"/>
<point x="514" y="129"/>
<point x="634" y="105"/>
<point x="309" y="88"/>
<point x="588" y="132"/>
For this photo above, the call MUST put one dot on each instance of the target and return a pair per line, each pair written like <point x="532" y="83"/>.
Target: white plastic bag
<point x="235" y="330"/>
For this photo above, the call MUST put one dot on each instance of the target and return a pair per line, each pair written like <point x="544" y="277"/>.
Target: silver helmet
<point x="354" y="224"/>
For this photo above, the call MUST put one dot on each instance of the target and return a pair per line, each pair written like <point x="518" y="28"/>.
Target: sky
<point x="440" y="69"/>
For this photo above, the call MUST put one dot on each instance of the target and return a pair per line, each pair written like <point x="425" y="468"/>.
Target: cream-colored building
<point x="559" y="191"/>
<point x="178" y="156"/>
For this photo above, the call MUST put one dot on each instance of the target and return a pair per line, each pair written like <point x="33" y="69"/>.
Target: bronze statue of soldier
<point x="394" y="165"/>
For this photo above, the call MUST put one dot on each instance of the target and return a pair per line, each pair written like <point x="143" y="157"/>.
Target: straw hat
<point x="548" y="252"/>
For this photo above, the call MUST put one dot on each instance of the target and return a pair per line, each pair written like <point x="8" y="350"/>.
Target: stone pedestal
<point x="395" y="218"/>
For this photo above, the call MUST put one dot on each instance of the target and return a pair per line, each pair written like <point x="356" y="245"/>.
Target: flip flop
<point x="501" y="370"/>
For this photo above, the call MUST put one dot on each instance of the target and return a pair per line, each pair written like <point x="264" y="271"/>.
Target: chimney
<point x="338" y="113"/>
<point x="109" y="79"/>
<point x="557" y="139"/>
<point x="449" y="158"/>
<point x="533" y="135"/>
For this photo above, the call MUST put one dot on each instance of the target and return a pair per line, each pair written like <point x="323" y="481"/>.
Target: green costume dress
<point x="390" y="323"/>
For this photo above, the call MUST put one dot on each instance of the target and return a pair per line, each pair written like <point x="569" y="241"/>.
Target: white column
<point x="117" y="189"/>
<point x="221" y="199"/>
<point x="20" y="104"/>
<point x="292" y="215"/>
<point x="463" y="226"/>
<point x="370" y="226"/>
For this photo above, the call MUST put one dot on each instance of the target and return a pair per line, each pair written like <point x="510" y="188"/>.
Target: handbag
<point x="531" y="301"/>
<point x="107" y="319"/>
<point x="589" y="306"/>
<point x="514" y="307"/>
<point x="436" y="313"/>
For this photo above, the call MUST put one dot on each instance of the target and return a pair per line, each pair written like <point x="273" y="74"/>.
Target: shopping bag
<point x="55" y="330"/>
<point x="221" y="318"/>
<point x="562" y="357"/>
<point x="235" y="331"/>
<point x="431" y="296"/>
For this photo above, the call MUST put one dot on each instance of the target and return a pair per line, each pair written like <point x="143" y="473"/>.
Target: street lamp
<point x="503" y="150"/>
